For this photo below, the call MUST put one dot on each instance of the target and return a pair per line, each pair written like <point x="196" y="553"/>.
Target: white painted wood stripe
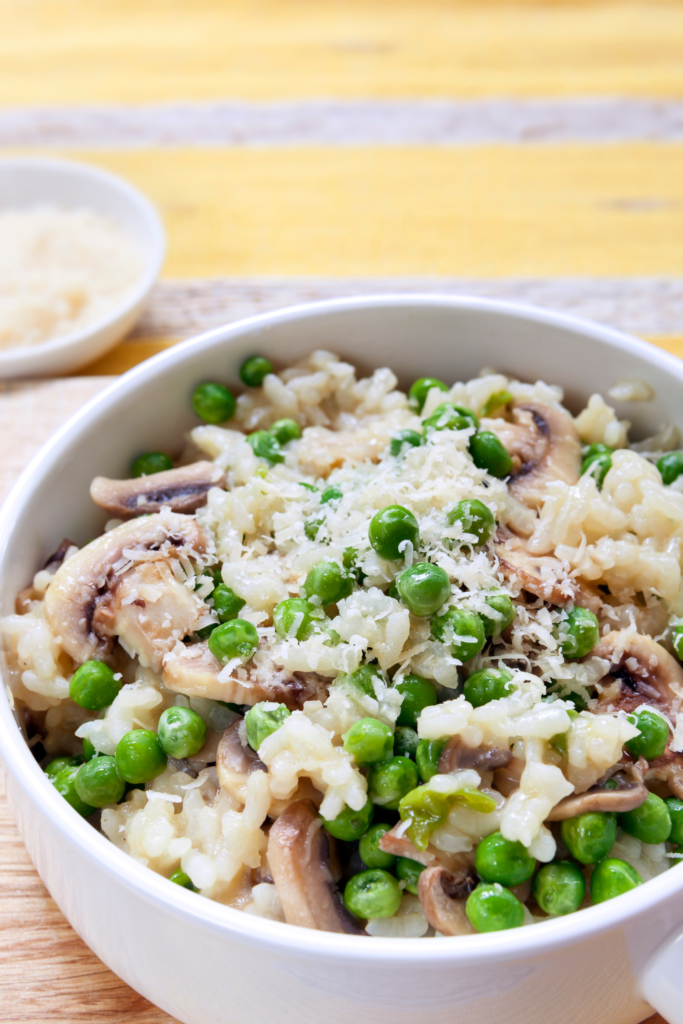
<point x="347" y="122"/>
<point x="182" y="308"/>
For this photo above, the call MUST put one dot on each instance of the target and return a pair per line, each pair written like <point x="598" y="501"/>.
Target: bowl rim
<point x="277" y="937"/>
<point x="154" y="252"/>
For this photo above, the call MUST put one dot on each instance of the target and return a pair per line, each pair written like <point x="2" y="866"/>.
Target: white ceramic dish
<point x="35" y="181"/>
<point x="206" y="964"/>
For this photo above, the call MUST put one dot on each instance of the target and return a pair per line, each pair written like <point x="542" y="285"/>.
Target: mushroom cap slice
<point x="195" y="671"/>
<point x="625" y="798"/>
<point x="443" y="896"/>
<point x="298" y="855"/>
<point x="456" y="754"/>
<point x="542" y="575"/>
<point x="121" y="584"/>
<point x="235" y="762"/>
<point x="184" y="489"/>
<point x="643" y="672"/>
<point x="395" y="842"/>
<point x="546" y="444"/>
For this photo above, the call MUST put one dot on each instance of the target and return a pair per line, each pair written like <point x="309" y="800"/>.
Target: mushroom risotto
<point x="371" y="662"/>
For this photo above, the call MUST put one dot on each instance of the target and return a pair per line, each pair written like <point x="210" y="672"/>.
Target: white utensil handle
<point x="661" y="983"/>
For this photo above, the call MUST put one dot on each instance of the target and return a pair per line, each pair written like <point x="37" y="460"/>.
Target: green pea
<point x="98" y="782"/>
<point x="296" y="618"/>
<point x="675" y="809"/>
<point x="369" y="848"/>
<point x="424" y="588"/>
<point x="363" y="679"/>
<point x="496" y="401"/>
<point x="331" y="494"/>
<point x="488" y="684"/>
<point x="488" y="453"/>
<point x="263" y="720"/>
<point x="372" y="894"/>
<point x="226" y="604"/>
<point x="491" y="908"/>
<point x="391" y="529"/>
<point x="417" y="396"/>
<point x="503" y="614"/>
<point x="670" y="466"/>
<point x="368" y="741"/>
<point x="254" y="370"/>
<point x="463" y="630"/>
<point x="612" y="877"/>
<point x="427" y="757"/>
<point x="58" y="764"/>
<point x="650" y="823"/>
<point x="589" y="837"/>
<point x="182" y="733"/>
<point x="498" y="859"/>
<point x="409" y="871"/>
<point x="559" y="888"/>
<point x="597" y="460"/>
<point x="235" y="639"/>
<point x="476" y="518"/>
<point x="88" y="750"/>
<point x="404" y="439"/>
<point x="152" y="462"/>
<point x="389" y="782"/>
<point x="139" y="756"/>
<point x="65" y="784"/>
<point x="654" y="735"/>
<point x="180" y="878"/>
<point x="266" y="446"/>
<point x="677" y="641"/>
<point x="418" y="694"/>
<point x="450" y="417"/>
<point x="406" y="741"/>
<point x="581" y="633"/>
<point x="213" y="403"/>
<point x="93" y="686"/>
<point x="351" y="825"/>
<point x="285" y="431"/>
<point x="312" y="528"/>
<point x="329" y="582"/>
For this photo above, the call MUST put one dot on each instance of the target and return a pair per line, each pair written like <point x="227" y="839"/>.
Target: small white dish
<point x="30" y="182"/>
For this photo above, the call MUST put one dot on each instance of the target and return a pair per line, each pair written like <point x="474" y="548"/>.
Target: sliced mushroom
<point x="321" y="450"/>
<point x="625" y="797"/>
<point x="298" y="855"/>
<point x="456" y="754"/>
<point x="641" y="672"/>
<point x="235" y="762"/>
<point x="123" y="584"/>
<point x="508" y="778"/>
<point x="545" y="443"/>
<point x="395" y="842"/>
<point x="542" y="575"/>
<point x="195" y="671"/>
<point x="443" y="896"/>
<point x="182" y="490"/>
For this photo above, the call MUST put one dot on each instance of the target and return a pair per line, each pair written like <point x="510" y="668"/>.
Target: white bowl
<point x="207" y="964"/>
<point x="36" y="181"/>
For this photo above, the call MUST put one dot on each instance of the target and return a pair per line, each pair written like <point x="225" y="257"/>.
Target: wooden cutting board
<point x="46" y="972"/>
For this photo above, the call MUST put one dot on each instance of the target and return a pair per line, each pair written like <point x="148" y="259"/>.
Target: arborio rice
<point x="363" y="661"/>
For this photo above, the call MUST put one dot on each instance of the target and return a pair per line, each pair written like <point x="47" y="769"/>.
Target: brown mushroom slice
<point x="298" y="856"/>
<point x="398" y="844"/>
<point x="507" y="779"/>
<point x="182" y="490"/>
<point x="235" y="762"/>
<point x="122" y="584"/>
<point x="443" y="896"/>
<point x="543" y="576"/>
<point x="641" y="671"/>
<point x="546" y="443"/>
<point x="194" y="671"/>
<point x="456" y="754"/>
<point x="625" y="798"/>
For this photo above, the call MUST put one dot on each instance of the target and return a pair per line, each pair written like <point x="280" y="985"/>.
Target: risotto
<point x="369" y="662"/>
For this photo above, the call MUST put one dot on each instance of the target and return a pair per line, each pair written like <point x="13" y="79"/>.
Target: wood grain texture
<point x="122" y="51"/>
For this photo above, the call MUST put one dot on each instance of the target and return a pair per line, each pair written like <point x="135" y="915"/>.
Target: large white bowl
<point x="206" y="964"/>
<point x="37" y="181"/>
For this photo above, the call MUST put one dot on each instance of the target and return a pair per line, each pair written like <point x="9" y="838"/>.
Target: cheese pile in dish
<point x="61" y="270"/>
<point x="504" y="756"/>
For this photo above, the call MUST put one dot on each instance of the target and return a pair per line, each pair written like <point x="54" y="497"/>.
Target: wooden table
<point x="527" y="149"/>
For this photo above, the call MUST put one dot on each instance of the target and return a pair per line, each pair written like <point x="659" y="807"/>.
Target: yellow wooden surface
<point x="133" y="51"/>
